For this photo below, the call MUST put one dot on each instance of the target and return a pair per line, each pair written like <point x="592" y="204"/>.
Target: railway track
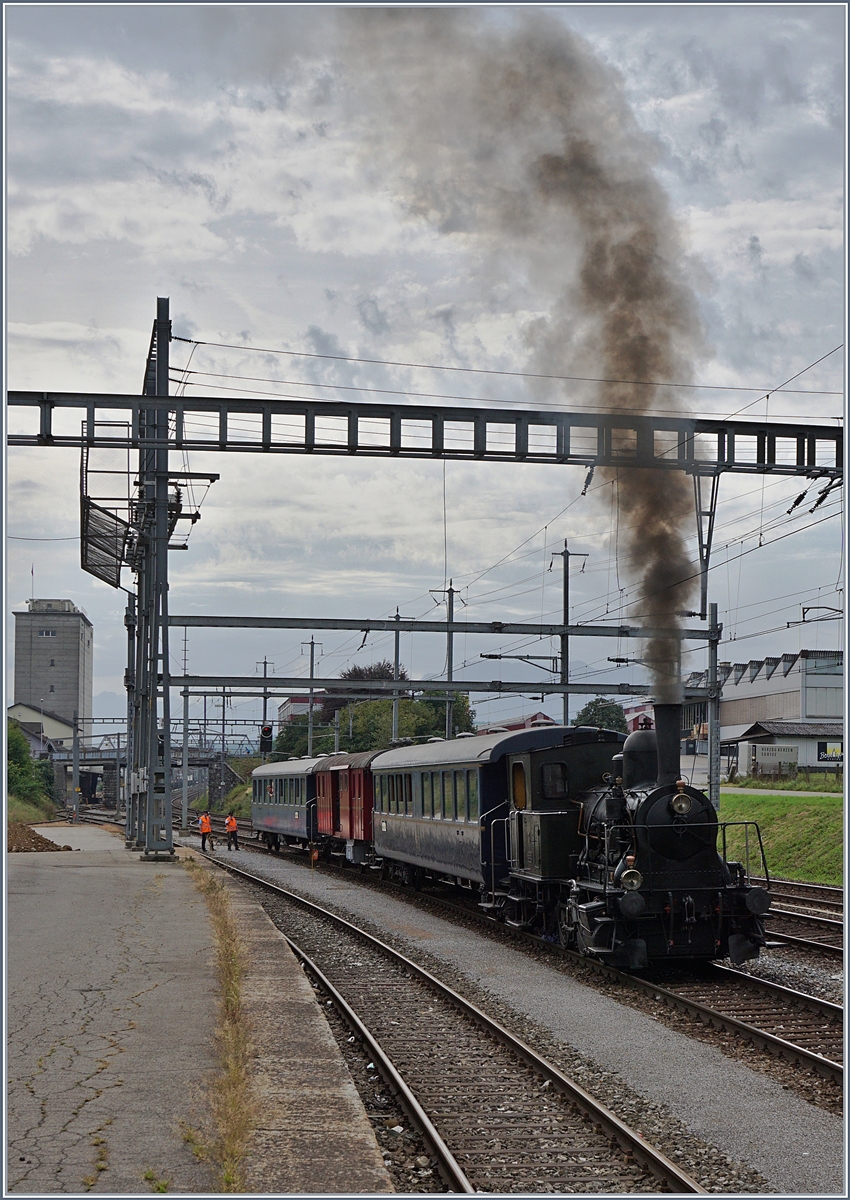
<point x="788" y="1024"/>
<point x="806" y="931"/>
<point x="498" y="1117"/>
<point x="808" y="897"/>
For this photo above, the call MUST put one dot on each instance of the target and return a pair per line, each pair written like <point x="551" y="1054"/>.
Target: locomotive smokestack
<point x="668" y="732"/>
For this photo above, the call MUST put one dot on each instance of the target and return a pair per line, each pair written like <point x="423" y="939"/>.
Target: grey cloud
<point x="371" y="316"/>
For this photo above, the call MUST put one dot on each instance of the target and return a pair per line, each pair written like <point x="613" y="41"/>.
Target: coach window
<point x="427" y="809"/>
<point x="437" y="788"/>
<point x="460" y="795"/>
<point x="472" y="794"/>
<point x="408" y="795"/>
<point x="448" y="796"/>
<point x="392" y="798"/>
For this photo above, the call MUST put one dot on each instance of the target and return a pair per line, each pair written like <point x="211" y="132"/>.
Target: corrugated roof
<point x="811" y="729"/>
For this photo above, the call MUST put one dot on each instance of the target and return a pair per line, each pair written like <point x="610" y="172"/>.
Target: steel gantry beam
<point x="521" y="628"/>
<point x="325" y="427"/>
<point x="246" y="686"/>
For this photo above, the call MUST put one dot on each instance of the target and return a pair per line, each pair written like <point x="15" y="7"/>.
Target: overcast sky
<point x="277" y="173"/>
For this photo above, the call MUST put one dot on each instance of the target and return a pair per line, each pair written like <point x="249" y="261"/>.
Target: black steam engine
<point x="633" y="871"/>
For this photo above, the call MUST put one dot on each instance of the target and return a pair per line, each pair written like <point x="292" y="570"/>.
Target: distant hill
<point x="109" y="704"/>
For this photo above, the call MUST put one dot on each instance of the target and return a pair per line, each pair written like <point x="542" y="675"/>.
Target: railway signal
<point x="266" y="739"/>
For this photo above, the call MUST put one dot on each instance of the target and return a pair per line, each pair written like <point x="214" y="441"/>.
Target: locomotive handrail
<point x="724" y="825"/>
<point x="496" y="821"/>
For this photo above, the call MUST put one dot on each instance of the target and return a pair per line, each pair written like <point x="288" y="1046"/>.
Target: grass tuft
<point x="803" y="781"/>
<point x="803" y="835"/>
<point x="232" y="1104"/>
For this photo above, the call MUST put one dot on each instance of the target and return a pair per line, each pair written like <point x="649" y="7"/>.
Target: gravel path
<point x="733" y="1128"/>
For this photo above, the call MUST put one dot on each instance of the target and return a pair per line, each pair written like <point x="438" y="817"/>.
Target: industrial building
<point x="53" y="660"/>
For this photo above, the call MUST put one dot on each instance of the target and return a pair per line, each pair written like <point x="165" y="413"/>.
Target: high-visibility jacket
<point x="230" y="824"/>
<point x="205" y="824"/>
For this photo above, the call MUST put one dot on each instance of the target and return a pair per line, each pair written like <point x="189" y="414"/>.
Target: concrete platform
<point x="111" y="1010"/>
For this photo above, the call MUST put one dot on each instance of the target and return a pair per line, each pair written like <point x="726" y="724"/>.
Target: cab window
<point x="553" y="778"/>
<point x="518" y="789"/>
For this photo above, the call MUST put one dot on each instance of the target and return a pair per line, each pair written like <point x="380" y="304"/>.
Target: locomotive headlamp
<point x="681" y="804"/>
<point x="631" y="880"/>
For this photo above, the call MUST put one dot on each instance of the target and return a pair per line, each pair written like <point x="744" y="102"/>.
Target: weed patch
<point x="818" y="781"/>
<point x="232" y="1104"/>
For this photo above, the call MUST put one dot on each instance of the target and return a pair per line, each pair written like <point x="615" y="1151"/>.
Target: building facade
<point x="54" y="643"/>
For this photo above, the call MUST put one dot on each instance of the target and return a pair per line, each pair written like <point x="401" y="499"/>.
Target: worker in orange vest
<point x="205" y="826"/>
<point x="231" y="827"/>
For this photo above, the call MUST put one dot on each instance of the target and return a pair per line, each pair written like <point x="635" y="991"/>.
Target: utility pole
<point x="714" y="631"/>
<point x="265" y="693"/>
<point x="336" y="731"/>
<point x="450" y="592"/>
<point x="184" y="809"/>
<point x="75" y="767"/>
<point x="395" y="677"/>
<point x="149" y="823"/>
<point x="450" y="616"/>
<point x="566" y="555"/>
<point x="312" y="645"/>
<point x="223" y="741"/>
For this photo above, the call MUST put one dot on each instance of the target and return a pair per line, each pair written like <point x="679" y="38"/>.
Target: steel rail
<point x="817" y="1003"/>
<point x="815" y="920"/>
<point x="662" y="1167"/>
<point x="779" y="1047"/>
<point x="450" y="1169"/>
<point x="805" y="944"/>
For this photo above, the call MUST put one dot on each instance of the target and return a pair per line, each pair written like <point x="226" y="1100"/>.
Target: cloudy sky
<point x="328" y="181"/>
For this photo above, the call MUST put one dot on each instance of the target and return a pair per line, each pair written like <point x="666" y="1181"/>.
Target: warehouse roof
<point x="821" y="729"/>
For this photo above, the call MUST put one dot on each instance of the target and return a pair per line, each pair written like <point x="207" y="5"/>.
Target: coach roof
<point x="488" y="747"/>
<point x="296" y="766"/>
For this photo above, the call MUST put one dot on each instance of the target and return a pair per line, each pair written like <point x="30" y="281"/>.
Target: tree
<point x="378" y="670"/>
<point x="26" y="778"/>
<point x="603" y="714"/>
<point x="367" y="725"/>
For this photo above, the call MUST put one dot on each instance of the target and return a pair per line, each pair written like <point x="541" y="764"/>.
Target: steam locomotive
<point x="582" y="835"/>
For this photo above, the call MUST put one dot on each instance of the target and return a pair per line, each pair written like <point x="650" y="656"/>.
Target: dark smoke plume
<point x="505" y="131"/>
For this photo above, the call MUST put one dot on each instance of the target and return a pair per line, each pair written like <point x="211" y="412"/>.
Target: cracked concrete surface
<point x="110" y="1013"/>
